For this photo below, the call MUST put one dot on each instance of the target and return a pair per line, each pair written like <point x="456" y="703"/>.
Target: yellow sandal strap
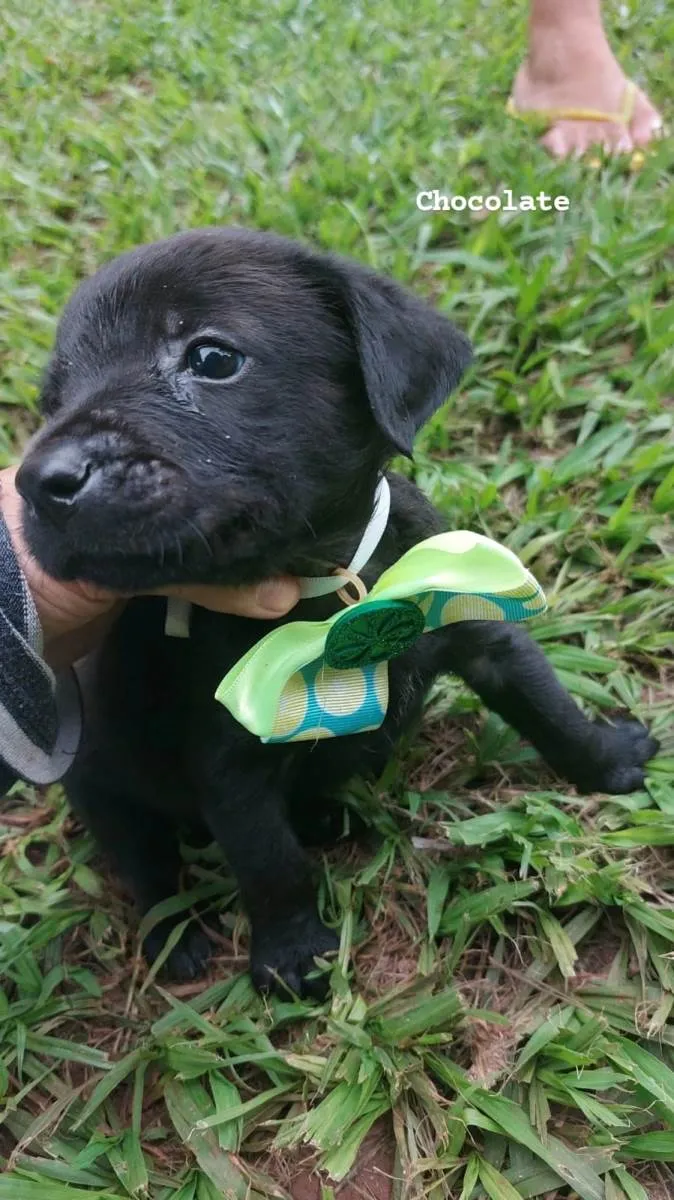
<point x="551" y="115"/>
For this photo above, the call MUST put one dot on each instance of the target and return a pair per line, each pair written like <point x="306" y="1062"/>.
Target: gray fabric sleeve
<point x="40" y="714"/>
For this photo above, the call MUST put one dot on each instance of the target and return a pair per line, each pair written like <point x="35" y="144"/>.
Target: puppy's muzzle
<point x="75" y="476"/>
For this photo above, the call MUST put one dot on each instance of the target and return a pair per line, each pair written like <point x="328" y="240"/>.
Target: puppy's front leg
<point x="246" y="814"/>
<point x="510" y="673"/>
<point x="143" y="849"/>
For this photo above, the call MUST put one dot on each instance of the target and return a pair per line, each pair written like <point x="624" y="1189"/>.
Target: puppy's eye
<point x="211" y="360"/>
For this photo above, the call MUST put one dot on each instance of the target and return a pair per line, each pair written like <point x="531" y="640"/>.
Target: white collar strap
<point x="177" y="623"/>
<point x="323" y="585"/>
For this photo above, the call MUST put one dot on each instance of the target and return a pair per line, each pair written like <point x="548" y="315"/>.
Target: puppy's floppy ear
<point x="411" y="357"/>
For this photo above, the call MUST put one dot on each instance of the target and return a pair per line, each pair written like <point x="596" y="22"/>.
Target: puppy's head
<point x="218" y="404"/>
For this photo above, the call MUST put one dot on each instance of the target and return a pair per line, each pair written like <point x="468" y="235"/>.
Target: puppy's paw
<point x="616" y="758"/>
<point x="282" y="957"/>
<point x="188" y="958"/>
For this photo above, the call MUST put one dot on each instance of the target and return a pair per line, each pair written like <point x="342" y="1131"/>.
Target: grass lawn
<point x="502" y="1020"/>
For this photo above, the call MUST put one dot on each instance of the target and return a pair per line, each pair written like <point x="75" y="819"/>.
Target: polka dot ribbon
<point x="308" y="680"/>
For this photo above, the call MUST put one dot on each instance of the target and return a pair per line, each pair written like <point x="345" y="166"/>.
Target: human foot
<point x="582" y="73"/>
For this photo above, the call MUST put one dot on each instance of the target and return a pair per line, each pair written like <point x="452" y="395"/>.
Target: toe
<point x="318" y="988"/>
<point x="637" y="740"/>
<point x="568" y="139"/>
<point x="644" y="746"/>
<point x="613" y="138"/>
<point x="646" y="123"/>
<point x="625" y="780"/>
<point x="283" y="966"/>
<point x="556" y="141"/>
<point x="198" y="946"/>
<point x="187" y="960"/>
<point x="180" y="967"/>
<point x="299" y="978"/>
<point x="651" y="747"/>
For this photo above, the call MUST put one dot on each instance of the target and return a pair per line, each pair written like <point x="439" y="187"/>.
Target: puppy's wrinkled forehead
<point x="237" y="285"/>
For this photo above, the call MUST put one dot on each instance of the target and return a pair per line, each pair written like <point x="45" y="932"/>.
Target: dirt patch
<point x="595" y="957"/>
<point x="371" y="1177"/>
<point x="658" y="1182"/>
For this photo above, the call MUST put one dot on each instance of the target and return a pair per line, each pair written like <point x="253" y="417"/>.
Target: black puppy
<point x="219" y="407"/>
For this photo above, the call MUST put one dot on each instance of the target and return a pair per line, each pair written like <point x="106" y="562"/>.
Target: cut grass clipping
<point x="502" y="1008"/>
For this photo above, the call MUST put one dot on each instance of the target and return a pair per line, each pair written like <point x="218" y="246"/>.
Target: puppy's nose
<point x="53" y="479"/>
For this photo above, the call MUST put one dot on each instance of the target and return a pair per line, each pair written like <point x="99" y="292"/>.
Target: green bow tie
<point x="315" y="679"/>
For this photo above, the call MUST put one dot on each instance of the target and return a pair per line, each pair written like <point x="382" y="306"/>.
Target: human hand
<point x="76" y="616"/>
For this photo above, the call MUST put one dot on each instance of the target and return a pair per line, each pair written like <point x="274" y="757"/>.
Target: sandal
<point x="548" y="117"/>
